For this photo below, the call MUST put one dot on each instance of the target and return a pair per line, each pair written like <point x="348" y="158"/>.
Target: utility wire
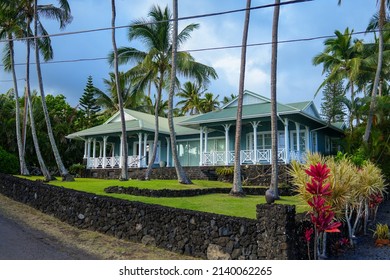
<point x="155" y="22"/>
<point x="210" y="48"/>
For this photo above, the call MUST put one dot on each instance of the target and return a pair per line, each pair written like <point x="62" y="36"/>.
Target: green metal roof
<point x="230" y="113"/>
<point x="140" y="122"/>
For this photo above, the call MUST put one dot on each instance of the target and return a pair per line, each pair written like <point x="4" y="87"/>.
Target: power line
<point x="156" y="22"/>
<point x="209" y="49"/>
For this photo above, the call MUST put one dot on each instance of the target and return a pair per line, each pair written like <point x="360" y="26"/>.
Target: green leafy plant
<point x="9" y="163"/>
<point x="77" y="169"/>
<point x="381" y="231"/>
<point x="224" y="171"/>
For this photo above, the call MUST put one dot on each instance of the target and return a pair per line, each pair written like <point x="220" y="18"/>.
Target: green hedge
<point x="9" y="163"/>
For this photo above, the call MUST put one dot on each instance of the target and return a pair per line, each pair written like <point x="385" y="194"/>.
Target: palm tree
<point x="227" y="99"/>
<point x="62" y="14"/>
<point x="109" y="101"/>
<point x="274" y="112"/>
<point x="181" y="175"/>
<point x="191" y="98"/>
<point x="237" y="183"/>
<point x="154" y="64"/>
<point x="209" y="102"/>
<point x="124" y="159"/>
<point x="11" y="25"/>
<point x="149" y="107"/>
<point x="342" y="59"/>
<point x="381" y="23"/>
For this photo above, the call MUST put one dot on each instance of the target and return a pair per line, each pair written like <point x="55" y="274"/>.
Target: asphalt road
<point x="19" y="242"/>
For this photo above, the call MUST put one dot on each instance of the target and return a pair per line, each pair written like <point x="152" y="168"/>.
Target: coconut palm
<point x="11" y="26"/>
<point x="341" y="58"/>
<point x="154" y="64"/>
<point x="237" y="183"/>
<point x="124" y="174"/>
<point x="108" y="100"/>
<point x="274" y="112"/>
<point x="373" y="104"/>
<point x="191" y="94"/>
<point x="209" y="103"/>
<point x="33" y="11"/>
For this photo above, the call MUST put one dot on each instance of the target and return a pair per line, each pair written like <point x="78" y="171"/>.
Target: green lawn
<point x="214" y="203"/>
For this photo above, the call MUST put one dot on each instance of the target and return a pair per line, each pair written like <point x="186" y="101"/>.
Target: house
<point x="208" y="139"/>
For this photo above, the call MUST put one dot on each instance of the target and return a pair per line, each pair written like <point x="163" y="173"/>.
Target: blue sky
<point x="298" y="79"/>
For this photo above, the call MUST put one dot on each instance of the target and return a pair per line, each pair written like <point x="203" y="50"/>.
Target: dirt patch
<point x="93" y="243"/>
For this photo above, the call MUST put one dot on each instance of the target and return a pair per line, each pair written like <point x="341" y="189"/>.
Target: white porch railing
<point x="113" y="162"/>
<point x="263" y="156"/>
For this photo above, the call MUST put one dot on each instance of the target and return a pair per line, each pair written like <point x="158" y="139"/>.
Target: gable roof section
<point x="249" y="98"/>
<point x="135" y="121"/>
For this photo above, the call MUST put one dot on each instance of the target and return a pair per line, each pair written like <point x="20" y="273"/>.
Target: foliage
<point x="9" y="163"/>
<point x="89" y="106"/>
<point x="381" y="231"/>
<point x="224" y="171"/>
<point x="332" y="106"/>
<point x="321" y="212"/>
<point x="76" y="169"/>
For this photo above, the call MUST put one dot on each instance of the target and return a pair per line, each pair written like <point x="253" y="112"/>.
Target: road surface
<point x="20" y="242"/>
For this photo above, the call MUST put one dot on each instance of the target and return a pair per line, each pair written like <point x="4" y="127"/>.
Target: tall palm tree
<point x="373" y="104"/>
<point x="209" y="102"/>
<point x="124" y="159"/>
<point x="155" y="62"/>
<point x="191" y="94"/>
<point x="11" y="25"/>
<point x="237" y="183"/>
<point x="181" y="175"/>
<point x="62" y="14"/>
<point x="274" y="112"/>
<point x="342" y="59"/>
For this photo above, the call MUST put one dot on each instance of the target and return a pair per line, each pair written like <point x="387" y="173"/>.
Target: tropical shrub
<point x="9" y="163"/>
<point x="77" y="169"/>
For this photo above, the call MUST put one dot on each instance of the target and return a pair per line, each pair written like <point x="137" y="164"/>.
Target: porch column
<point x="298" y="131"/>
<point x="104" y="151"/>
<point x="88" y="151"/>
<point x="94" y="148"/>
<point x="227" y="127"/>
<point x="308" y="148"/>
<point x="201" y="146"/>
<point x="139" y="148"/>
<point x="145" y="145"/>
<point x="85" y="148"/>
<point x="168" y="149"/>
<point x="100" y="149"/>
<point x="205" y="139"/>
<point x="286" y="141"/>
<point x="120" y="151"/>
<point x="255" y="125"/>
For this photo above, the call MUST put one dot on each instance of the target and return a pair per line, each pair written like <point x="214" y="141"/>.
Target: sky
<point x="297" y="80"/>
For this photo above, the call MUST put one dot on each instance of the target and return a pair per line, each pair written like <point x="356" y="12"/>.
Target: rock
<point x="81" y="216"/>
<point x="215" y="252"/>
<point x="270" y="196"/>
<point x="148" y="240"/>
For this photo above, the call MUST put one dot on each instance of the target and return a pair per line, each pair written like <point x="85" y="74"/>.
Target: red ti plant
<point x="321" y="214"/>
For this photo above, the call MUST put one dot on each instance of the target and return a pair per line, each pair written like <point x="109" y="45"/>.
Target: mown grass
<point x="212" y="203"/>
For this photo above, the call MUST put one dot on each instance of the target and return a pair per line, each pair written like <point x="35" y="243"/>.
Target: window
<point x="216" y="145"/>
<point x="264" y="141"/>
<point x="302" y="141"/>
<point x="189" y="152"/>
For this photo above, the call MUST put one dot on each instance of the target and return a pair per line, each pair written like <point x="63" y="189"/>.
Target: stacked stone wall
<point x="199" y="234"/>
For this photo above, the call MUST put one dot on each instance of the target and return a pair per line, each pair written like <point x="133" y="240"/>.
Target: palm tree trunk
<point x="237" y="183"/>
<point x="63" y="171"/>
<point x="41" y="162"/>
<point x="156" y="127"/>
<point x="181" y="175"/>
<point x="124" y="158"/>
<point x="22" y="162"/>
<point x="382" y="17"/>
<point x="274" y="118"/>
